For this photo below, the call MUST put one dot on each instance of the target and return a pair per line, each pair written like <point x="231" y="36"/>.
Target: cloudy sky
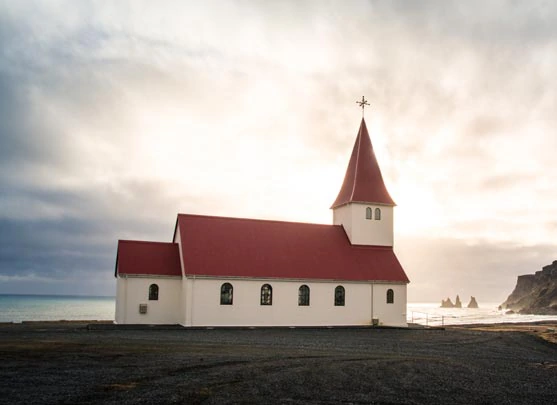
<point x="115" y="116"/>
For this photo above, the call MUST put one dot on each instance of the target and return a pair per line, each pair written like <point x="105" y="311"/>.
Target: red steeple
<point x="363" y="181"/>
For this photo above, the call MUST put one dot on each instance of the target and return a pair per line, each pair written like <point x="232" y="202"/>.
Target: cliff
<point x="535" y="293"/>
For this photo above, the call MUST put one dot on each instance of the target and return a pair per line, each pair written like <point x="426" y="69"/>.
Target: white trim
<point x="125" y="275"/>
<point x="307" y="280"/>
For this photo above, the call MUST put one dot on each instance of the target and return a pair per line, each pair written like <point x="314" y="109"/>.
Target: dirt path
<point x="69" y="364"/>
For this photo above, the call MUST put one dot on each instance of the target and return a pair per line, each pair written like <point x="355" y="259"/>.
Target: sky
<point x="116" y="116"/>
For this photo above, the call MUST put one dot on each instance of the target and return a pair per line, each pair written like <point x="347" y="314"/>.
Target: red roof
<point x="363" y="181"/>
<point x="234" y="247"/>
<point x="148" y="258"/>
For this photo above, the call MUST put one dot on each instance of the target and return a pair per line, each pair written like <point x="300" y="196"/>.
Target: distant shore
<point x="546" y="330"/>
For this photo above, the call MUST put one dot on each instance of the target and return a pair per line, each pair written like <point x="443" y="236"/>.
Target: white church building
<point x="221" y="271"/>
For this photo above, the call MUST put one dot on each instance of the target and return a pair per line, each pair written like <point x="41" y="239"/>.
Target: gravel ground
<point x="69" y="364"/>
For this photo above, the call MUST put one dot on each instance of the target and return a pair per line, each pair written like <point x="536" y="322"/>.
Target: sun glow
<point x="417" y="211"/>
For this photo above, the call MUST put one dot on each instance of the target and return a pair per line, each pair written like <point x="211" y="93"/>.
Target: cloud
<point x="115" y="117"/>
<point x="439" y="268"/>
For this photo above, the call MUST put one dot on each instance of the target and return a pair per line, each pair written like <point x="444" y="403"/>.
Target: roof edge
<point x="150" y="242"/>
<point x="278" y="221"/>
<point x="362" y="202"/>
<point x="138" y="275"/>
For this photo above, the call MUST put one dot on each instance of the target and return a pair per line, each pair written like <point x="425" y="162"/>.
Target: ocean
<point x="19" y="308"/>
<point x="432" y="314"/>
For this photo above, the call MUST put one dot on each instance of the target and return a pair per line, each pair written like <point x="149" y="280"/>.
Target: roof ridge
<point x="253" y="219"/>
<point x="145" y="241"/>
<point x="359" y="141"/>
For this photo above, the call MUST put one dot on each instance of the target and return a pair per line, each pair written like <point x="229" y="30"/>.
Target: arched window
<point x="377" y="214"/>
<point x="390" y="296"/>
<point x="266" y="294"/>
<point x="368" y="213"/>
<point x="153" y="292"/>
<point x="303" y="296"/>
<point x="339" y="296"/>
<point x="226" y="291"/>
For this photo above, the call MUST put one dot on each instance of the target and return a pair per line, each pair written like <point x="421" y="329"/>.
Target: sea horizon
<point x="60" y="295"/>
<point x="17" y="307"/>
<point x="55" y="307"/>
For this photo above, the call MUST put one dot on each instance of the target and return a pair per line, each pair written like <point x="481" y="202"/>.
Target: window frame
<point x="304" y="296"/>
<point x="153" y="292"/>
<point x="390" y="296"/>
<point x="266" y="296"/>
<point x="378" y="214"/>
<point x="369" y="213"/>
<point x="340" y="299"/>
<point x="226" y="294"/>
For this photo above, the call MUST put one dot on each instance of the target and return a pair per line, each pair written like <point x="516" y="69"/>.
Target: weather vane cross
<point x="362" y="104"/>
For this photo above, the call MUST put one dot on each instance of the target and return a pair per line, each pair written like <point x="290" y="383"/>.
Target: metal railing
<point x="428" y="319"/>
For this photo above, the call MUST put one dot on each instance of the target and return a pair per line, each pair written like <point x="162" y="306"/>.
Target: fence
<point x="428" y="320"/>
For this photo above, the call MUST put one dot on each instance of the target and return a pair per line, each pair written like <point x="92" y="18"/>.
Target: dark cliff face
<point x="535" y="293"/>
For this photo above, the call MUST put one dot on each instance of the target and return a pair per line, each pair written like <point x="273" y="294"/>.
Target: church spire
<point x="363" y="181"/>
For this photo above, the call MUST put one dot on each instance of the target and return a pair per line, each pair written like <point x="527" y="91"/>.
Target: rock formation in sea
<point x="535" y="293"/>
<point x="473" y="303"/>
<point x="458" y="304"/>
<point x="447" y="303"/>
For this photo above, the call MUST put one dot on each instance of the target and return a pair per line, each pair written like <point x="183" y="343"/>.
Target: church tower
<point x="363" y="206"/>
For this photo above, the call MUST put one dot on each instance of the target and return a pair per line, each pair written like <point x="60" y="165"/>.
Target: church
<point x="220" y="271"/>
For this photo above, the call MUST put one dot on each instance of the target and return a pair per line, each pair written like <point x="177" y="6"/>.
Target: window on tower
<point x="368" y="213"/>
<point x="303" y="296"/>
<point x="377" y="214"/>
<point x="390" y="296"/>
<point x="226" y="291"/>
<point x="266" y="294"/>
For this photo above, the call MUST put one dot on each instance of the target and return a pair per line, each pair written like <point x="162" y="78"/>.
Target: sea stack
<point x="447" y="303"/>
<point x="472" y="303"/>
<point x="457" y="303"/>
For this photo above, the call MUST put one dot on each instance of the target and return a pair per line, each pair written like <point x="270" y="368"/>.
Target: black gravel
<point x="69" y="364"/>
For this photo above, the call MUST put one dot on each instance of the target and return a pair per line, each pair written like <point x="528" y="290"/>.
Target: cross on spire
<point x="362" y="104"/>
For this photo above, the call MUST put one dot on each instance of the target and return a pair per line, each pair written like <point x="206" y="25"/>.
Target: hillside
<point x="535" y="293"/>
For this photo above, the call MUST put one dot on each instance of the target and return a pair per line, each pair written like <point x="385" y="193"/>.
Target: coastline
<point x="547" y="330"/>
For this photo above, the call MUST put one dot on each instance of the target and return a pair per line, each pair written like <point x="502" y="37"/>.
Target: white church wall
<point x="343" y="216"/>
<point x="133" y="291"/>
<point x="178" y="240"/>
<point x="187" y="301"/>
<point x="183" y="287"/>
<point x="121" y="293"/>
<point x="390" y="314"/>
<point x="362" y="231"/>
<point x="205" y="308"/>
